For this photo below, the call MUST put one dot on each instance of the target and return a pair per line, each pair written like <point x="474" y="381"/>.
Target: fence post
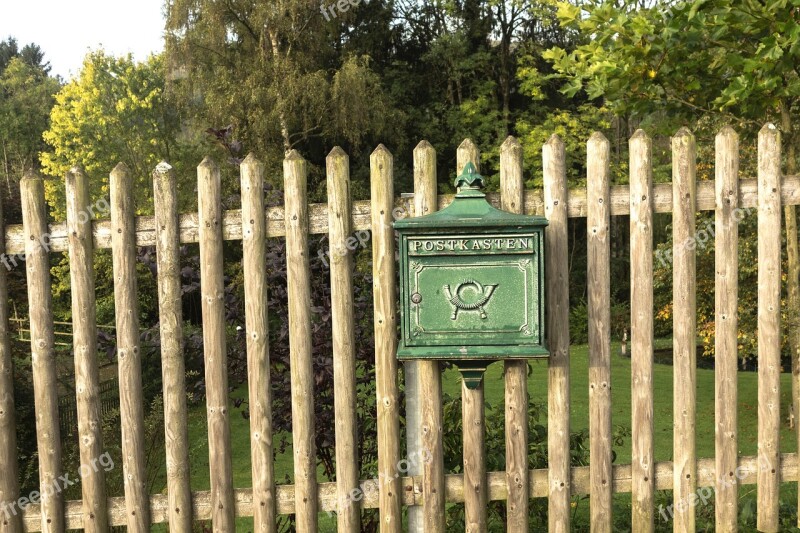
<point x="84" y="325"/>
<point x="129" y="356"/>
<point x="726" y="328"/>
<point x="512" y="190"/>
<point x="48" y="437"/>
<point x="641" y="231"/>
<point x="684" y="327"/>
<point x="342" y="322"/>
<point x="302" y="372"/>
<point x="769" y="326"/>
<point x="429" y="372"/>
<point x="385" y="302"/>
<point x="599" y="292"/>
<point x="173" y="368"/>
<point x="473" y="415"/>
<point x="212" y="289"/>
<point x="9" y="481"/>
<point x="254" y="263"/>
<point x="558" y="399"/>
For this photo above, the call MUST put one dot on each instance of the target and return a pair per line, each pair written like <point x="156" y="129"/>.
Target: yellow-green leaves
<point x="112" y="112"/>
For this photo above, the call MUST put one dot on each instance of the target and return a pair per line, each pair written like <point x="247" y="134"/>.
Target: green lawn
<point x="621" y="386"/>
<point x="662" y="402"/>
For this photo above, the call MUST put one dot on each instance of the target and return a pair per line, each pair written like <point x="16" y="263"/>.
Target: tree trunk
<point x="793" y="254"/>
<point x="276" y="52"/>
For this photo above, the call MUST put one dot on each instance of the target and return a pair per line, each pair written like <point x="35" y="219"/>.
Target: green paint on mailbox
<point x="472" y="283"/>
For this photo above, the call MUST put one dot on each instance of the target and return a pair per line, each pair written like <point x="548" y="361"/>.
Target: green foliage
<point x="685" y="59"/>
<point x="26" y="96"/>
<point x="279" y="73"/>
<point x="113" y="112"/>
<point x="496" y="453"/>
<point x="574" y="128"/>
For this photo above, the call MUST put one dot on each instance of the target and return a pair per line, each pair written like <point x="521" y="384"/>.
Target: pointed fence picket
<point x="430" y="487"/>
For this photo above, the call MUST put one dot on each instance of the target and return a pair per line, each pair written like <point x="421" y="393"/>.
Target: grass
<point x="621" y="392"/>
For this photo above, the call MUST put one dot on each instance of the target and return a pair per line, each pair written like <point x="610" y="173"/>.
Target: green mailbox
<point x="471" y="283"/>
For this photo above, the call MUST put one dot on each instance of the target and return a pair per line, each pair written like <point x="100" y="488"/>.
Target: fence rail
<point x="431" y="489"/>
<point x="361" y="212"/>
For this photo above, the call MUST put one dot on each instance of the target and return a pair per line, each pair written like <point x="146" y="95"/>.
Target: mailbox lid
<point x="469" y="210"/>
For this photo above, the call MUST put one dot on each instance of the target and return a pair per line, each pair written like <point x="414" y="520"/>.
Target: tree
<point x="26" y="97"/>
<point x="720" y="59"/>
<point x="275" y="72"/>
<point x="114" y="111"/>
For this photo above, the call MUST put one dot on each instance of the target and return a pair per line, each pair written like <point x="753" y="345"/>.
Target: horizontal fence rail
<point x="318" y="214"/>
<point x="411" y="489"/>
<point x="429" y="487"/>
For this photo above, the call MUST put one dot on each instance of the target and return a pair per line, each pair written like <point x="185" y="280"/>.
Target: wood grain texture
<point x="429" y="372"/>
<point x="769" y="326"/>
<point x="726" y="329"/>
<point x="254" y="263"/>
<point x="512" y="194"/>
<point x="362" y="215"/>
<point x="599" y="309"/>
<point x="9" y="481"/>
<point x="557" y="302"/>
<point x="684" y="327"/>
<point x="129" y="355"/>
<point x="348" y="515"/>
<point x="454" y="488"/>
<point x="384" y="284"/>
<point x="84" y="343"/>
<point x="43" y="363"/>
<point x="641" y="248"/>
<point x="473" y="414"/>
<point x="212" y="290"/>
<point x="295" y="177"/>
<point x="476" y="492"/>
<point x="173" y="368"/>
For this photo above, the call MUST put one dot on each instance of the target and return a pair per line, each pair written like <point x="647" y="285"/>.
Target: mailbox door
<point x="472" y="290"/>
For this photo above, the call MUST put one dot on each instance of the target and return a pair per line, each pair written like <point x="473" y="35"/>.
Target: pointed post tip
<point x="466" y="143"/>
<point x="31" y="175"/>
<point x="293" y="155"/>
<point x="554" y="140"/>
<point x="423" y="145"/>
<point x="381" y="150"/>
<point x="510" y="143"/>
<point x="727" y="131"/>
<point x="337" y="152"/>
<point x="121" y="168"/>
<point x="598" y="137"/>
<point x="163" y="167"/>
<point x="75" y="169"/>
<point x="768" y="129"/>
<point x="251" y="159"/>
<point x="208" y="163"/>
<point x="639" y="134"/>
<point x="684" y="131"/>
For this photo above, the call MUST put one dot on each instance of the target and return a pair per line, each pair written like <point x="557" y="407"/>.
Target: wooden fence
<point x="432" y="488"/>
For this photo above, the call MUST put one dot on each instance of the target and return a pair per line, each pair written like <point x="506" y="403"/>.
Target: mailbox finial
<point x="469" y="178"/>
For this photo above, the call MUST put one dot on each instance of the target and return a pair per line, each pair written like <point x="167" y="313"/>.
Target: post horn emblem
<point x="484" y="293"/>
